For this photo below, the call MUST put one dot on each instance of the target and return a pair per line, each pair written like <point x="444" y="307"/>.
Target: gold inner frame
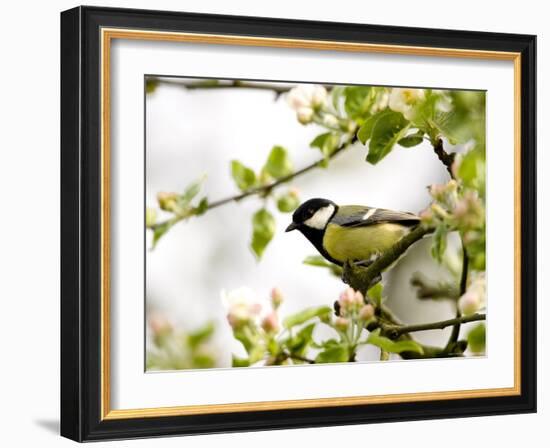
<point x="107" y="35"/>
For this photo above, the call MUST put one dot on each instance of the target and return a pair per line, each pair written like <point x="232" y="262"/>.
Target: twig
<point x="298" y="358"/>
<point x="278" y="90"/>
<point x="446" y="158"/>
<point x="394" y="331"/>
<point x="453" y="338"/>
<point x="264" y="189"/>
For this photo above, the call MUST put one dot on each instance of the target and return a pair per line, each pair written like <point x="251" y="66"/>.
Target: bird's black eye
<point x="310" y="212"/>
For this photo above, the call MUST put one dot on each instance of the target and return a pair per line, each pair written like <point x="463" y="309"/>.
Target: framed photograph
<point x="276" y="224"/>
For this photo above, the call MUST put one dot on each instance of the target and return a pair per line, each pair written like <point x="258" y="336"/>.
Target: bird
<point x="350" y="233"/>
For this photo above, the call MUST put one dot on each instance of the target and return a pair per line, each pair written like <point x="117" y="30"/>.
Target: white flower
<point x="242" y="306"/>
<point x="304" y="99"/>
<point x="474" y="297"/>
<point x="381" y="102"/>
<point x="330" y="121"/>
<point x="403" y="100"/>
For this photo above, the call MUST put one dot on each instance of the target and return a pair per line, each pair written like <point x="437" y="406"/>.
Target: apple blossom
<point x="403" y="100"/>
<point x="474" y="297"/>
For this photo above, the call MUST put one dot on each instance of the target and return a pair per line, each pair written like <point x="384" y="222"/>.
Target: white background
<point x="29" y="109"/>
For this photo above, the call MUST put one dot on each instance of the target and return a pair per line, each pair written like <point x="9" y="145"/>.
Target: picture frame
<point x="86" y="175"/>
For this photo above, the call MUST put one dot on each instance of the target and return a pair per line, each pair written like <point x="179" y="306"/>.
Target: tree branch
<point x="361" y="278"/>
<point x="236" y="84"/>
<point x="453" y="338"/>
<point x="394" y="331"/>
<point x="446" y="158"/>
<point x="264" y="190"/>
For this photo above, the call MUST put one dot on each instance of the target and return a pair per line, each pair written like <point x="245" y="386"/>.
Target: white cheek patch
<point x="320" y="219"/>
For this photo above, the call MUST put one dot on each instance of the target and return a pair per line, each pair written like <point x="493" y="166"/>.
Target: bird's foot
<point x="353" y="274"/>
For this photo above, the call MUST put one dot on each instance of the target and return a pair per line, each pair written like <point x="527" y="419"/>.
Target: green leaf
<point x="278" y="163"/>
<point x="388" y="345"/>
<point x="263" y="229"/>
<point x="305" y="315"/>
<point x="476" y="339"/>
<point x="387" y="131"/>
<point x="240" y="362"/>
<point x="288" y="202"/>
<point x="243" y="176"/>
<point x="365" y="131"/>
<point x="472" y="170"/>
<point x="327" y="143"/>
<point x="338" y="353"/>
<point x="202" y="207"/>
<point x="439" y="242"/>
<point x="159" y="230"/>
<point x="201" y="335"/>
<point x="359" y="100"/>
<point x="298" y="344"/>
<point x="191" y="191"/>
<point x="411" y="140"/>
<point x="375" y="294"/>
<point x="336" y="94"/>
<point x="318" y="261"/>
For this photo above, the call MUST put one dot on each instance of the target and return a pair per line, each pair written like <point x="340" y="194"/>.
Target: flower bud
<point x="341" y="323"/>
<point x="427" y="217"/>
<point x="150" y="217"/>
<point x="468" y="211"/>
<point x="366" y="313"/>
<point x="270" y="323"/>
<point x="159" y="324"/>
<point x="474" y="297"/>
<point x="167" y="200"/>
<point x="305" y="115"/>
<point x="318" y="96"/>
<point x="350" y="301"/>
<point x="330" y="121"/>
<point x="294" y="192"/>
<point x="276" y="297"/>
<point x="469" y="303"/>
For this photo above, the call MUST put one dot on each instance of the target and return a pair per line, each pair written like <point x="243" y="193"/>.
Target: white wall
<point x="29" y="173"/>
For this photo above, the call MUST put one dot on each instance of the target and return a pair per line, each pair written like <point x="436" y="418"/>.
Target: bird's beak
<point x="291" y="226"/>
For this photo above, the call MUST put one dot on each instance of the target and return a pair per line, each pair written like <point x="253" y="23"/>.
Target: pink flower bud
<point x="358" y="298"/>
<point x="469" y="303"/>
<point x="159" y="324"/>
<point x="366" y="313"/>
<point x="276" y="297"/>
<point x="270" y="323"/>
<point x="341" y="323"/>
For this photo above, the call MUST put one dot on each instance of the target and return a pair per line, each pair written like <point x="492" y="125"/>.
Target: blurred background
<point x="191" y="133"/>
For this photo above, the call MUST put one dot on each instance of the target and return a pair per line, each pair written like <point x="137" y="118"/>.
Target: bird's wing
<point x="359" y="216"/>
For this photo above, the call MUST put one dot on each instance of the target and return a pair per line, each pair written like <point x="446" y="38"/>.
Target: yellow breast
<point x="361" y="243"/>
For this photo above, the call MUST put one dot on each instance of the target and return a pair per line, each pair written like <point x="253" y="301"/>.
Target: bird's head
<point x="313" y="214"/>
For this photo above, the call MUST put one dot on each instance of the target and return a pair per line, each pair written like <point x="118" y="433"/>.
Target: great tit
<point x="350" y="232"/>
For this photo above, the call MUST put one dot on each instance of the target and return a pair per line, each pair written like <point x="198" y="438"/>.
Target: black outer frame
<point x="81" y="208"/>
